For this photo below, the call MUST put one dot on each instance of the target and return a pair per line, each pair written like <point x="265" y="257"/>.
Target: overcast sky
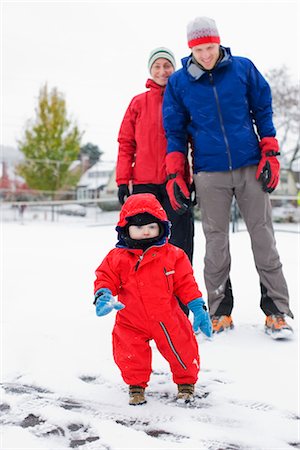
<point x="96" y="53"/>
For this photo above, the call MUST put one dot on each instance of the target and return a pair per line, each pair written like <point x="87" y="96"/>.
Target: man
<point x="222" y="105"/>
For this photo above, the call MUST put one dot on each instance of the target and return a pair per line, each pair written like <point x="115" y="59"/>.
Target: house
<point x="94" y="180"/>
<point x="111" y="189"/>
<point x="287" y="187"/>
<point x="109" y="197"/>
<point x="288" y="182"/>
<point x="12" y="186"/>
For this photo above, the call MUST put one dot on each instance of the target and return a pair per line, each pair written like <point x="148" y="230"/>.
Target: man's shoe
<point x="221" y="323"/>
<point x="136" y="395"/>
<point x="277" y="327"/>
<point x="185" y="393"/>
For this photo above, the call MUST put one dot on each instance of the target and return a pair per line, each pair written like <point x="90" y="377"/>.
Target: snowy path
<point x="60" y="388"/>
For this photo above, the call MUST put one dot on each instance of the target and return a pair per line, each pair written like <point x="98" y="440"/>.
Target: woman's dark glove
<point x="123" y="193"/>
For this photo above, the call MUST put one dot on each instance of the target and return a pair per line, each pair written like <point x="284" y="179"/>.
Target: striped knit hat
<point x="161" y="52"/>
<point x="202" y="30"/>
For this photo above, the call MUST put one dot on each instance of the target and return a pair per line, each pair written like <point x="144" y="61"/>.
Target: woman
<point x="141" y="164"/>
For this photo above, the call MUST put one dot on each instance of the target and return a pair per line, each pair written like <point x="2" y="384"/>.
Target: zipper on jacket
<point x="211" y="79"/>
<point x="142" y="257"/>
<point x="172" y="345"/>
<point x="158" y="129"/>
<point x="139" y="261"/>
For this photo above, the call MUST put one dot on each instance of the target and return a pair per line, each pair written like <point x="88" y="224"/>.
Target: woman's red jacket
<point x="142" y="141"/>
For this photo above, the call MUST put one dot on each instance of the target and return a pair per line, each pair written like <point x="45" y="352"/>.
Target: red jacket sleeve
<point x="106" y="275"/>
<point x="127" y="146"/>
<point x="185" y="285"/>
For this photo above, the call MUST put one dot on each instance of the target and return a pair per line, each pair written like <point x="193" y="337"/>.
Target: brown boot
<point x="136" y="395"/>
<point x="185" y="393"/>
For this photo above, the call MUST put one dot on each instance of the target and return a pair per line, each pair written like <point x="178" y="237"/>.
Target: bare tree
<point x="285" y="95"/>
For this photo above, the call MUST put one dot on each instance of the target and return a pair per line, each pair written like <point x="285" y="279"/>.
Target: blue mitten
<point x="105" y="302"/>
<point x="201" y="316"/>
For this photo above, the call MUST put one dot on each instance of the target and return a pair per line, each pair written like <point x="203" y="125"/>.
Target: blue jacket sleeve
<point x="260" y="102"/>
<point x="175" y="120"/>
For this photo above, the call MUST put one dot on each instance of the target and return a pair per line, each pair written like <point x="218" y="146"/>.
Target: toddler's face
<point x="148" y="231"/>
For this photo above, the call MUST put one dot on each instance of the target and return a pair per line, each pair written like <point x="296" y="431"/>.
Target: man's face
<point x="206" y="54"/>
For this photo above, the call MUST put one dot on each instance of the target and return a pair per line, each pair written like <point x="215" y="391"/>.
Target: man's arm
<point x="175" y="119"/>
<point x="260" y="102"/>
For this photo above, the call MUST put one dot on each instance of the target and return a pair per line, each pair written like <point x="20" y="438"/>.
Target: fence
<point x="54" y="211"/>
<point x="285" y="211"/>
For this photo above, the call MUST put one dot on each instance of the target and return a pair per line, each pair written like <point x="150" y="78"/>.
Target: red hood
<point x="141" y="203"/>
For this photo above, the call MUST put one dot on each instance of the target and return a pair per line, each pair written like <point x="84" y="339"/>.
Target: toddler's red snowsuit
<point x="146" y="283"/>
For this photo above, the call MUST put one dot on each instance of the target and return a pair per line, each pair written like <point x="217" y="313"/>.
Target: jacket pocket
<point x="169" y="278"/>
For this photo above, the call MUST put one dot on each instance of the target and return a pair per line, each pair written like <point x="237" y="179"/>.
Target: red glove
<point x="177" y="188"/>
<point x="268" y="167"/>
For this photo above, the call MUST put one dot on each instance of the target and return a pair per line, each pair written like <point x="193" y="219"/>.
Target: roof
<point x="97" y="176"/>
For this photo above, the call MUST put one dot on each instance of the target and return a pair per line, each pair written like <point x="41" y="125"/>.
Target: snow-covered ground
<point x="60" y="388"/>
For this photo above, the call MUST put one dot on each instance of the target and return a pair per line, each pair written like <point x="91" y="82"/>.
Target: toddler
<point x="147" y="273"/>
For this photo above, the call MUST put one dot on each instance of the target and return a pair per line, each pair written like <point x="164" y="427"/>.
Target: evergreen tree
<point x="50" y="144"/>
<point x="91" y="152"/>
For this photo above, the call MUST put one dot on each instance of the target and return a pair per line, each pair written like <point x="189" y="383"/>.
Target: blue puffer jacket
<point x="223" y="112"/>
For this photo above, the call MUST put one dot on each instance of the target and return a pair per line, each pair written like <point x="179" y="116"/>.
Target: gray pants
<point x="215" y="191"/>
